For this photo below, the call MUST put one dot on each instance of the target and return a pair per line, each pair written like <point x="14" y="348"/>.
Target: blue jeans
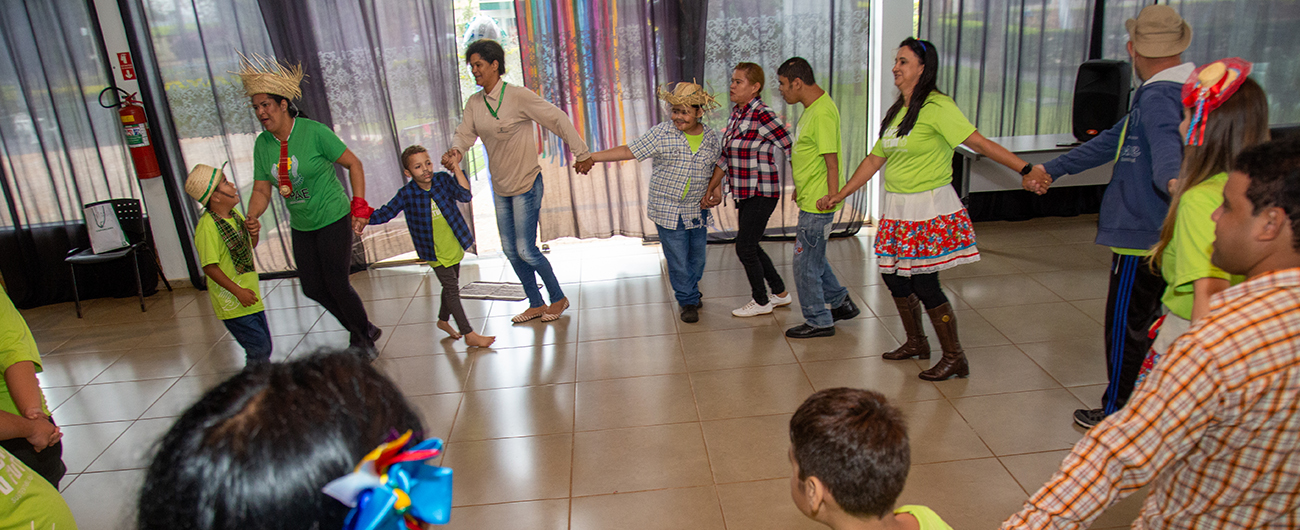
<point x="252" y="332"/>
<point x="517" y="224"/>
<point x="684" y="249"/>
<point x="813" y="275"/>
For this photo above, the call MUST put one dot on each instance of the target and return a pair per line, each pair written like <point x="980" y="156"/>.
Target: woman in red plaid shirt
<point x="749" y="145"/>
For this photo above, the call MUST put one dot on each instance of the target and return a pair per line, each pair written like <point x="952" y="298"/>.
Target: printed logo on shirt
<point x="891" y="140"/>
<point x="227" y="299"/>
<point x="434" y="211"/>
<point x="300" y="192"/>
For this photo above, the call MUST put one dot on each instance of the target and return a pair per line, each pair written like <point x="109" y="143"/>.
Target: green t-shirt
<point x="1187" y="256"/>
<point x="212" y="249"/>
<point x="819" y="134"/>
<point x="922" y="160"/>
<point x="16" y="345"/>
<point x="926" y="517"/>
<point x="445" y="244"/>
<point x="694" y="140"/>
<point x="27" y="500"/>
<point x="318" y="198"/>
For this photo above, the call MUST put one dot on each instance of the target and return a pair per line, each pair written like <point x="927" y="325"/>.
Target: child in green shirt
<point x="849" y="456"/>
<point x="26" y="430"/>
<point x="225" y="248"/>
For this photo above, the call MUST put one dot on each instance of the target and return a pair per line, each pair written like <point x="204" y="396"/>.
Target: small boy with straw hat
<point x="225" y="248"/>
<point x="684" y="151"/>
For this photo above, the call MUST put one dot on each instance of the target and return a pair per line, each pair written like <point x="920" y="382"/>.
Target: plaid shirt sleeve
<point x="388" y="211"/>
<point x="1166" y="418"/>
<point x="773" y="130"/>
<point x="647" y="145"/>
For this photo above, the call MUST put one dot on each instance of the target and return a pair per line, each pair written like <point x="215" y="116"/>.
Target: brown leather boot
<point x="916" y="346"/>
<point x="953" y="362"/>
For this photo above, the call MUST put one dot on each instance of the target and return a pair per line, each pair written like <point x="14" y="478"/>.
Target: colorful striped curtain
<point x="596" y="60"/>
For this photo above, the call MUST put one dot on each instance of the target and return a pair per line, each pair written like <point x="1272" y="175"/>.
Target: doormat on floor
<point x="512" y="292"/>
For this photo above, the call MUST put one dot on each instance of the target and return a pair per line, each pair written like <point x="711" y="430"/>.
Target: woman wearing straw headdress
<point x="503" y="116"/>
<point x="684" y="152"/>
<point x="298" y="156"/>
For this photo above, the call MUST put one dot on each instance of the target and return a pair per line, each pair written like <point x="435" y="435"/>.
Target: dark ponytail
<point x="925" y="84"/>
<point x="294" y="111"/>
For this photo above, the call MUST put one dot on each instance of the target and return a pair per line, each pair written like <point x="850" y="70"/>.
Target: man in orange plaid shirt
<point x="1215" y="428"/>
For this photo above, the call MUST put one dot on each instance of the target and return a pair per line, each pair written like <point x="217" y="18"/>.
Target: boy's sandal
<point x="527" y="315"/>
<point x="552" y="317"/>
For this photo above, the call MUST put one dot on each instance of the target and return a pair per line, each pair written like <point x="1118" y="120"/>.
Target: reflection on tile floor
<point x="619" y="415"/>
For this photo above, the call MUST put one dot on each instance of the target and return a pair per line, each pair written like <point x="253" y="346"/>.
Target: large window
<point x="1010" y="64"/>
<point x="1265" y="32"/>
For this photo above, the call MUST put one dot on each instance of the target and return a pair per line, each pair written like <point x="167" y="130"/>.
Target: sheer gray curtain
<point x="1265" y="32"/>
<point x="389" y="72"/>
<point x="832" y="36"/>
<point x="196" y="43"/>
<point x="1010" y="64"/>
<point x="58" y="148"/>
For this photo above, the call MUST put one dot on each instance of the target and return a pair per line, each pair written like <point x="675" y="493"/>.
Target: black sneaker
<point x="690" y="314"/>
<point x="804" y="331"/>
<point x="1087" y="418"/>
<point x="845" y="311"/>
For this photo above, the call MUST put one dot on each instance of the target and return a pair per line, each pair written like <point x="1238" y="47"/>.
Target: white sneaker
<point x="778" y="301"/>
<point x="752" y="309"/>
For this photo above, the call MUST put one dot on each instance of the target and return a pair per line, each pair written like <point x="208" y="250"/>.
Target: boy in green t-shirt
<point x="815" y="162"/>
<point x="439" y="232"/>
<point x="26" y="430"/>
<point x="849" y="458"/>
<point x="225" y="248"/>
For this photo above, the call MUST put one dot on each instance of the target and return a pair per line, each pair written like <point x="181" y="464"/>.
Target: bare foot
<point x="474" y="339"/>
<point x="446" y="326"/>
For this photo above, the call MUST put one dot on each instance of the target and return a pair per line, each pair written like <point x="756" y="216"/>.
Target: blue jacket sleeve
<point x="449" y="183"/>
<point x="1092" y="153"/>
<point x="388" y="211"/>
<point x="1160" y="119"/>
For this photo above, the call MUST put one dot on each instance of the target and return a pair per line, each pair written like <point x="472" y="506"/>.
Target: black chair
<point x="132" y="220"/>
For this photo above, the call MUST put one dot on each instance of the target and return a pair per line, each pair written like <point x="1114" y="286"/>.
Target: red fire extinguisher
<point x="136" y="127"/>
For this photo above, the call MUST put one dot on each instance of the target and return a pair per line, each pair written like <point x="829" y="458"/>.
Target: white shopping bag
<point x="105" y="232"/>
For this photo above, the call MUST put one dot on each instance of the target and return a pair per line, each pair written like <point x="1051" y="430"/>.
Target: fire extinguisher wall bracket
<point x="135" y="125"/>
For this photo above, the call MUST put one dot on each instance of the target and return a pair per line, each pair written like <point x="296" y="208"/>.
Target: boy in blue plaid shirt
<point x="684" y="152"/>
<point x="439" y="232"/>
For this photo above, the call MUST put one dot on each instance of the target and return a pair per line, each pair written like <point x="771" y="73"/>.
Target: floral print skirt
<point x="924" y="232"/>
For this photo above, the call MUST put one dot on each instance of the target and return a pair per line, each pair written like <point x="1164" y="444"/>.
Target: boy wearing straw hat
<point x="684" y="151"/>
<point x="225" y="248"/>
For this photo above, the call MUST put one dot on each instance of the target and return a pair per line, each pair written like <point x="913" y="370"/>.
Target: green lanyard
<point x="500" y="99"/>
<point x="1123" y="133"/>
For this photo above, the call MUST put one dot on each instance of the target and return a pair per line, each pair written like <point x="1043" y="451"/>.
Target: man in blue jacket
<point x="1147" y="150"/>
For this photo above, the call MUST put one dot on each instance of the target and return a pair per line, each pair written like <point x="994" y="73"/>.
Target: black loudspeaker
<point x="1101" y="93"/>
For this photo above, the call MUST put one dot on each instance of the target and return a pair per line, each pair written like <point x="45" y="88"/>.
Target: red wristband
<point x="360" y="208"/>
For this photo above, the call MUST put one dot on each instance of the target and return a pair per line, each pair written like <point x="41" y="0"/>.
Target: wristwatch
<point x="1029" y="168"/>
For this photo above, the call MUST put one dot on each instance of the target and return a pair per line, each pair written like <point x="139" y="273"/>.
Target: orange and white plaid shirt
<point x="1215" y="427"/>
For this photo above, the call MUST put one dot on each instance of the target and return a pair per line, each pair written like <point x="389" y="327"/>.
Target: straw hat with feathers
<point x="688" y="94"/>
<point x="265" y="75"/>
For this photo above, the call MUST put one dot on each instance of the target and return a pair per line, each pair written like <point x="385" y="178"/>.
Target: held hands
<point x="1037" y="181"/>
<point x="711" y="199"/>
<point x="253" y="225"/>
<point x="828" y="202"/>
<point x="584" y="166"/>
<point x="359" y="225"/>
<point x="451" y="159"/>
<point x="246" y="297"/>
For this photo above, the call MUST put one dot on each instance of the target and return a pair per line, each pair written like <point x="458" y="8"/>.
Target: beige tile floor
<point x="620" y="415"/>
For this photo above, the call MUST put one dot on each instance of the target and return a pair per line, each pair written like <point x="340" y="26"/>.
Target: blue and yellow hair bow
<point x="392" y="489"/>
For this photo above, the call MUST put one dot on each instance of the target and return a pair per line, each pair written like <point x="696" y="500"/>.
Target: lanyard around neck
<point x="500" y="99"/>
